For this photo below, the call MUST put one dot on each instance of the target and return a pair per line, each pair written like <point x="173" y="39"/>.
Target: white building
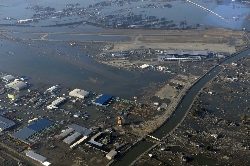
<point x="79" y="93"/>
<point x="111" y="154"/>
<point x="5" y="123"/>
<point x="17" y="85"/>
<point x="8" y="78"/>
<point x="24" y="21"/>
<point x="55" y="103"/>
<point x="37" y="157"/>
<point x="144" y="66"/>
<point x="52" y="89"/>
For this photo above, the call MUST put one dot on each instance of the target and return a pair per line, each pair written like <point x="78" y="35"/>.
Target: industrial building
<point x="17" y="85"/>
<point x="186" y="53"/>
<point x="65" y="133"/>
<point x="72" y="138"/>
<point x="8" y="78"/>
<point x="55" y="103"/>
<point x="77" y="131"/>
<point x="5" y="123"/>
<point x="79" y="93"/>
<point x="174" y="58"/>
<point x="38" y="158"/>
<point x="78" y="142"/>
<point x="182" y="55"/>
<point x="84" y="131"/>
<point x="32" y="132"/>
<point x="103" y="100"/>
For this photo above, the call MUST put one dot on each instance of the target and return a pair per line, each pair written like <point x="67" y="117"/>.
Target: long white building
<point x="55" y="103"/>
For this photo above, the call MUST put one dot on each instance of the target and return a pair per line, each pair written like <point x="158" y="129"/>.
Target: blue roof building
<point x="102" y="100"/>
<point x="32" y="129"/>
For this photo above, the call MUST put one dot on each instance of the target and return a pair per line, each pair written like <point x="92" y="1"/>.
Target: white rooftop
<point x="79" y="93"/>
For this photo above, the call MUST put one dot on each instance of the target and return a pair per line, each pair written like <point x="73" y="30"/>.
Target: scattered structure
<point x="5" y="123"/>
<point x="102" y="100"/>
<point x="17" y="85"/>
<point x="79" y="93"/>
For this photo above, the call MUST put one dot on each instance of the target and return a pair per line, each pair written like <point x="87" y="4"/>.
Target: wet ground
<point x="216" y="130"/>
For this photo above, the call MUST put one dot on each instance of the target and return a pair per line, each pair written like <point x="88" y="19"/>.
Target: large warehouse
<point x="5" y="123"/>
<point x="102" y="100"/>
<point x="79" y="93"/>
<point x="32" y="132"/>
<point x="17" y="85"/>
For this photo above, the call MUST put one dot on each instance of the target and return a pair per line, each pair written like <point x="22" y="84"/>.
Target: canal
<point x="180" y="112"/>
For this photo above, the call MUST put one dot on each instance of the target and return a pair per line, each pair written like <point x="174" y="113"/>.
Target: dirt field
<point x="217" y="40"/>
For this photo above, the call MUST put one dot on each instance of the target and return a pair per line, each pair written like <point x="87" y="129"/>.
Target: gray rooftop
<point x="24" y="133"/>
<point x="5" y="121"/>
<point x="70" y="139"/>
<point x="66" y="132"/>
<point x="36" y="156"/>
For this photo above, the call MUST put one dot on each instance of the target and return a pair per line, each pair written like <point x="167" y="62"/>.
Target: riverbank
<point x="171" y="139"/>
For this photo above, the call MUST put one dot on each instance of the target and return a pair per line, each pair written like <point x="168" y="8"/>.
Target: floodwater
<point x="58" y="63"/>
<point x="235" y="12"/>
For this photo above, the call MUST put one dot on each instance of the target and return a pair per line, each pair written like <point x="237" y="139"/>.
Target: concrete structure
<point x="17" y="85"/>
<point x="36" y="156"/>
<point x="111" y="154"/>
<point x="55" y="103"/>
<point x="79" y="93"/>
<point x="8" y="78"/>
<point x="5" y="123"/>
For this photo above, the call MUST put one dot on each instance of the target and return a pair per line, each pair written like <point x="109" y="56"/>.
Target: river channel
<point x="179" y="114"/>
